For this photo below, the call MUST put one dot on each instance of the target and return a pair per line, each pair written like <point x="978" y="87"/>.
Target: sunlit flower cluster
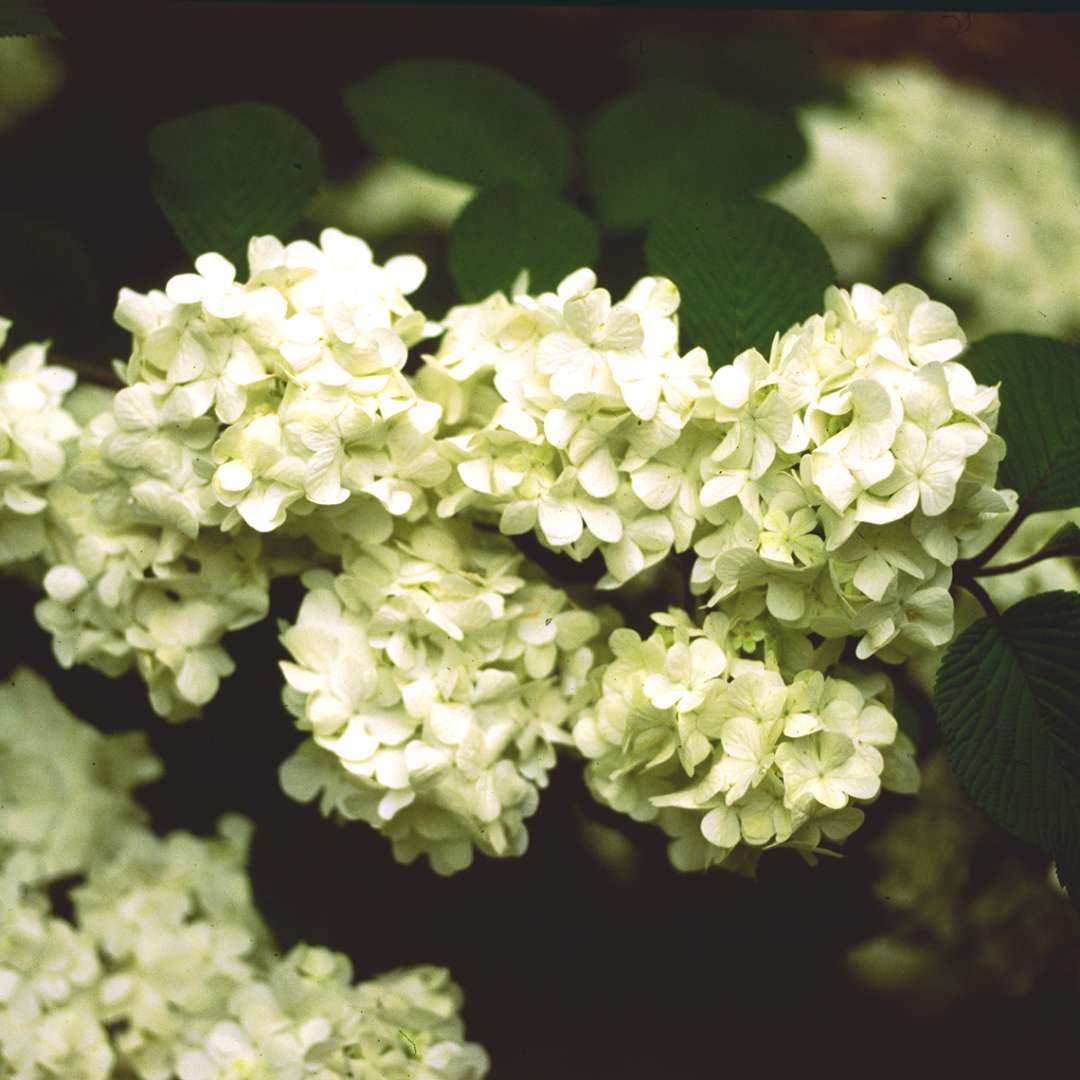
<point x="838" y="476"/>
<point x="34" y="430"/>
<point x="993" y="186"/>
<point x="268" y="429"/>
<point x="166" y="968"/>
<point x="245" y="405"/>
<point x="436" y="675"/>
<point x="566" y="411"/>
<point x="280" y="394"/>
<point x="731" y="738"/>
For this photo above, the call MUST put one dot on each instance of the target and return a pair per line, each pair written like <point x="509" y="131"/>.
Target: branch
<point x="1066" y="551"/>
<point x="966" y="568"/>
<point x="980" y="594"/>
<point x="89" y="372"/>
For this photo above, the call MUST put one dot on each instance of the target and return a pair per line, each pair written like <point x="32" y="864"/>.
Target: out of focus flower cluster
<point x="995" y="185"/>
<point x="437" y="674"/>
<point x="34" y="428"/>
<point x="970" y="911"/>
<point x="838" y="477"/>
<point x="391" y="197"/>
<point x="166" y="968"/>
<point x="731" y="738"/>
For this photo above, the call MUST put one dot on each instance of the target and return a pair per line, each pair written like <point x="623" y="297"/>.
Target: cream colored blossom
<point x="724" y="739"/>
<point x="436" y="679"/>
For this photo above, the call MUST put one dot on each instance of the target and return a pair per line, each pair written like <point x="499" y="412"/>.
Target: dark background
<point x="569" y="971"/>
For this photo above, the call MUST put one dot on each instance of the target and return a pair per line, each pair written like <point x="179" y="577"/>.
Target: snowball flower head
<point x="730" y="738"/>
<point x="848" y="470"/>
<point x="436" y="679"/>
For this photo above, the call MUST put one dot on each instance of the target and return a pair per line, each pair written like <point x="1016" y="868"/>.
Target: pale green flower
<point x="827" y="768"/>
<point x="439" y="680"/>
<point x="786" y="539"/>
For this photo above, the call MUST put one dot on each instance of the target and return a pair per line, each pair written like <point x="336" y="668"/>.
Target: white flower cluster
<point x="167" y="970"/>
<point x="436" y="675"/>
<point x="731" y="738"/>
<point x="286" y="393"/>
<point x="268" y="429"/>
<point x="246" y="405"/>
<point x="836" y="477"/>
<point x="859" y="461"/>
<point x="34" y="429"/>
<point x="567" y="410"/>
<point x="996" y="185"/>
<point x="119" y="595"/>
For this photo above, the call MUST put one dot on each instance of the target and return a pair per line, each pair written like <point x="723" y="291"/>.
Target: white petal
<point x="656" y="485"/>
<point x="560" y="522"/>
<point x="185" y="289"/>
<point x="731" y="387"/>
<point x="598" y="475"/>
<point x="874" y="576"/>
<point x="602" y="521"/>
<point x="721" y="827"/>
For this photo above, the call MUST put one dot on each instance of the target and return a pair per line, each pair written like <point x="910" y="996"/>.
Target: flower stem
<point x="965" y="567"/>
<point x="91" y="373"/>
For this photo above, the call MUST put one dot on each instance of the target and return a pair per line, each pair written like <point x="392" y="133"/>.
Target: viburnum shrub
<point x="819" y="469"/>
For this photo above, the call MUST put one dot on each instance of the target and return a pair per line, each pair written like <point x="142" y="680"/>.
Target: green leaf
<point x="676" y="142"/>
<point x="1040" y="414"/>
<point x="50" y="287"/>
<point x="908" y="717"/>
<point x="745" y="269"/>
<point x="1068" y="536"/>
<point x="743" y="66"/>
<point x="26" y="18"/>
<point x="509" y="229"/>
<point x="467" y="121"/>
<point x="233" y="172"/>
<point x="1008" y="700"/>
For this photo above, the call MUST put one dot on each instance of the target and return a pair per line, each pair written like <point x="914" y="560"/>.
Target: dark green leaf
<point x="1068" y="536"/>
<point x="26" y="18"/>
<point x="672" y="143"/>
<point x="908" y="717"/>
<point x="464" y="120"/>
<point x="509" y="229"/>
<point x="745" y="269"/>
<point x="1008" y="700"/>
<point x="743" y="66"/>
<point x="50" y="287"/>
<point x="1040" y="414"/>
<point x="233" y="172"/>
